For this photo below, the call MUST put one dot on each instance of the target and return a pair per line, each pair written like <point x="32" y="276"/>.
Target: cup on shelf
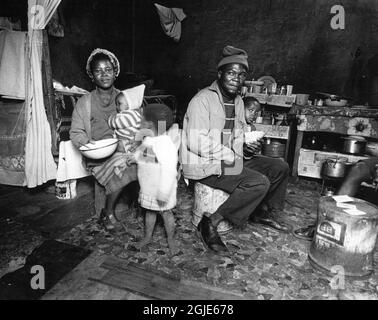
<point x="302" y="99"/>
<point x="289" y="90"/>
<point x="259" y="119"/>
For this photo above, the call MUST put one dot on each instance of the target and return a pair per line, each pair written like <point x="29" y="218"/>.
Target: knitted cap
<point x="134" y="96"/>
<point x="113" y="59"/>
<point x="231" y="54"/>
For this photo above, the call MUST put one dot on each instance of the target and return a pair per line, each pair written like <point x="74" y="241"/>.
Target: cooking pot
<point x="354" y="145"/>
<point x="372" y="148"/>
<point x="334" y="167"/>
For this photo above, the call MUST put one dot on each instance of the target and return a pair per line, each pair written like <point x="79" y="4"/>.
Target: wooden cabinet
<point x="276" y="132"/>
<point x="353" y="120"/>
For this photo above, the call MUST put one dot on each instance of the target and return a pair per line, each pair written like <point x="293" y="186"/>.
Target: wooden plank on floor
<point x="77" y="286"/>
<point x="155" y="284"/>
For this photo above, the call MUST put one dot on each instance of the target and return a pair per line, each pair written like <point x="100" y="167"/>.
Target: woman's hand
<point x="130" y="158"/>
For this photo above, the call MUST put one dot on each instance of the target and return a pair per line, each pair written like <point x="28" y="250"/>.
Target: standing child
<point x="157" y="160"/>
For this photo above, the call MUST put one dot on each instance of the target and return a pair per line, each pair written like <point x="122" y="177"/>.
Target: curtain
<point x="40" y="166"/>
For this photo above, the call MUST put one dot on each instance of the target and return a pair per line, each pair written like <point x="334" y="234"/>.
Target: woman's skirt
<point x="114" y="173"/>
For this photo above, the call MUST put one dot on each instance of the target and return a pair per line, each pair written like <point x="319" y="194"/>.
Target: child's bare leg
<point x="170" y="226"/>
<point x="150" y="224"/>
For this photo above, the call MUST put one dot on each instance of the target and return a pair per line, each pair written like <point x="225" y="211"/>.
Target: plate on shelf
<point x="268" y="81"/>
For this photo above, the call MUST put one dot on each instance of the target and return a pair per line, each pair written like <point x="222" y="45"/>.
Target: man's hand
<point x="251" y="148"/>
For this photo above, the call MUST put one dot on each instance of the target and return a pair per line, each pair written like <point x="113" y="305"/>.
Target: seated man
<point x="362" y="171"/>
<point x="213" y="149"/>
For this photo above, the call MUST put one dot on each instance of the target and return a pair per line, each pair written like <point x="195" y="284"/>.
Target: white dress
<point x="157" y="159"/>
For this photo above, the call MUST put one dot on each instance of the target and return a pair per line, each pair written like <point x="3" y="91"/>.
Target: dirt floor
<point x="263" y="264"/>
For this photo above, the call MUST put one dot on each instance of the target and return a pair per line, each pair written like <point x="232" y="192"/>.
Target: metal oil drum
<point x="344" y="240"/>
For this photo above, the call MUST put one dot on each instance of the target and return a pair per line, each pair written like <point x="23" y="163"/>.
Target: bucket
<point x="65" y="190"/>
<point x="275" y="149"/>
<point x="343" y="239"/>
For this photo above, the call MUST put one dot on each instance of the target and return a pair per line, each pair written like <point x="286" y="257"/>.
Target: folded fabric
<point x="70" y="164"/>
<point x="170" y="20"/>
<point x="12" y="64"/>
<point x="134" y="96"/>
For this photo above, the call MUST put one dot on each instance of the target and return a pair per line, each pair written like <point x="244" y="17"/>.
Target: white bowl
<point x="99" y="149"/>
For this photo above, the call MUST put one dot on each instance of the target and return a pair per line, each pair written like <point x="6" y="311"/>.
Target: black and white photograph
<point x="188" y="156"/>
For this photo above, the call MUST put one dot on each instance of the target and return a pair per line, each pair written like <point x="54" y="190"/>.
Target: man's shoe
<point x="306" y="233"/>
<point x="268" y="219"/>
<point x="210" y="236"/>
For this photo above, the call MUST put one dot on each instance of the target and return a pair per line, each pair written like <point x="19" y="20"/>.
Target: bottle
<point x="284" y="120"/>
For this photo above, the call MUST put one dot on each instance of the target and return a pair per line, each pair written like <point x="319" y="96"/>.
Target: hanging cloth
<point x="40" y="166"/>
<point x="170" y="20"/>
<point x="12" y="64"/>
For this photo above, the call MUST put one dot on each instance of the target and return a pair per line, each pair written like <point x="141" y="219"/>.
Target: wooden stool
<point x="207" y="199"/>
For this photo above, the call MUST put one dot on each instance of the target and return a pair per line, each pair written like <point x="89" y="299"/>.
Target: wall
<point x="90" y="24"/>
<point x="290" y="40"/>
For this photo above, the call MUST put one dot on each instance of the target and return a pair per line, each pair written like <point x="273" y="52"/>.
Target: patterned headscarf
<point x="113" y="59"/>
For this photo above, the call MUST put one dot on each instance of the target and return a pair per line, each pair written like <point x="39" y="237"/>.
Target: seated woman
<point x="90" y="123"/>
<point x="362" y="171"/>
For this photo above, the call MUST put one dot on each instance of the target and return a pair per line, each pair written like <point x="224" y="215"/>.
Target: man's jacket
<point x="201" y="149"/>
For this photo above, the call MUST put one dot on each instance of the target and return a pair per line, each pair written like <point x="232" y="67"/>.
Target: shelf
<point x="274" y="99"/>
<point x="272" y="131"/>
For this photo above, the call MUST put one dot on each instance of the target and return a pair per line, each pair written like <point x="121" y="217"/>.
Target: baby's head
<point x="158" y="118"/>
<point x="121" y="102"/>
<point x="130" y="99"/>
<point x="251" y="109"/>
